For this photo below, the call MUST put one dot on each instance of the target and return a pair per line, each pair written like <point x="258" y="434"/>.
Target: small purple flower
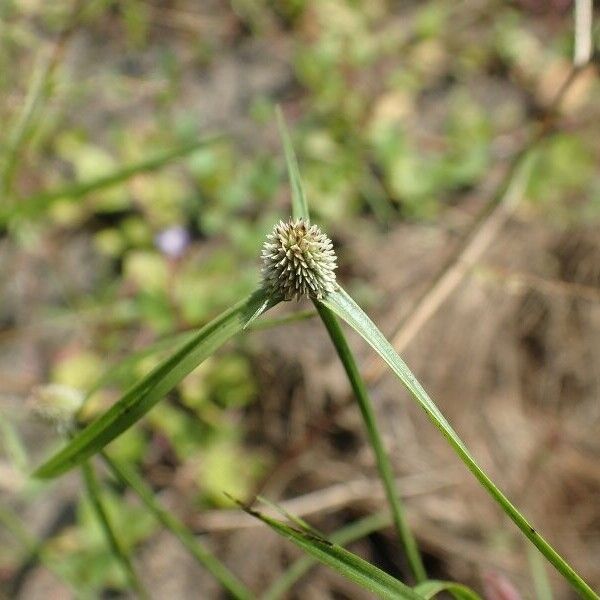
<point x="173" y="241"/>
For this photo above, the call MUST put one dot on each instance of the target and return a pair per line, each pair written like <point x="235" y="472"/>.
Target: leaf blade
<point x="299" y="202"/>
<point x="135" y="403"/>
<point x="209" y="561"/>
<point x="36" y="550"/>
<point x="430" y="589"/>
<point x="344" y="536"/>
<point x="38" y="202"/>
<point x="113" y="541"/>
<point x="168" y="342"/>
<point x="344" y="307"/>
<point x="344" y="562"/>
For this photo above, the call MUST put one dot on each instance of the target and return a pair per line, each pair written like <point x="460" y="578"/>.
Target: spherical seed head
<point x="298" y="260"/>
<point x="56" y="404"/>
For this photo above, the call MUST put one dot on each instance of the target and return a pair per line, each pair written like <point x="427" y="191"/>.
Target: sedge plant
<point x="299" y="261"/>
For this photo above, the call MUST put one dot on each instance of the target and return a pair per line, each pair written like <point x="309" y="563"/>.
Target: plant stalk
<point x="222" y="574"/>
<point x="93" y="489"/>
<point x="383" y="463"/>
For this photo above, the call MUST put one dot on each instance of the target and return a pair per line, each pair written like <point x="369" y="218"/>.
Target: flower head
<point x="298" y="260"/>
<point x="56" y="404"/>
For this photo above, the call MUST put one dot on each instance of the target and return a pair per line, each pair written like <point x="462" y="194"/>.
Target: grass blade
<point x="128" y="363"/>
<point x="35" y="551"/>
<point x="300" y="523"/>
<point x="13" y="445"/>
<point x="39" y="202"/>
<point x="225" y="577"/>
<point x="18" y="134"/>
<point x="383" y="463"/>
<point x="430" y="589"/>
<point x="345" y="563"/>
<point x="541" y="582"/>
<point x="299" y="203"/>
<point x="38" y="92"/>
<point x="152" y="388"/>
<point x="346" y="535"/>
<point x="115" y="545"/>
<point x="345" y="308"/>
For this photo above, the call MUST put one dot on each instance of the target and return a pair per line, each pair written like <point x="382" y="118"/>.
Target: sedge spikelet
<point x="298" y="260"/>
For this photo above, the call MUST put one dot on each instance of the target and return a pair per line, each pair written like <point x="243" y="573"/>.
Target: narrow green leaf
<point x="12" y="523"/>
<point x="13" y="445"/>
<point x="114" y="543"/>
<point x="298" y="521"/>
<point x="38" y="202"/>
<point x="38" y="92"/>
<point x="299" y="203"/>
<point x="210" y="562"/>
<point x="340" y="560"/>
<point x="259" y="311"/>
<point x="346" y="535"/>
<point x="430" y="589"/>
<point x="345" y="308"/>
<point x="152" y="388"/>
<point x="129" y="362"/>
<point x="383" y="463"/>
<point x="17" y="136"/>
<point x="36" y="551"/>
<point x="541" y="581"/>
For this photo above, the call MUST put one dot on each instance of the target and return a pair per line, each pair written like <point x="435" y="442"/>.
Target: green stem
<point x="93" y="490"/>
<point x="383" y="462"/>
<point x="36" y="551"/>
<point x="152" y="388"/>
<point x="132" y="480"/>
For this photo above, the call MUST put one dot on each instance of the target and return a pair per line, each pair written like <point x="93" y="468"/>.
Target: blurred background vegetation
<point x="140" y="170"/>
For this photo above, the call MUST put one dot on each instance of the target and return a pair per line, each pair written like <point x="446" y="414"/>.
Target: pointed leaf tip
<point x="135" y="403"/>
<point x="299" y="202"/>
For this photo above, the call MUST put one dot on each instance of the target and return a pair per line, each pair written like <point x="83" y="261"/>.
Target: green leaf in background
<point x="345" y="308"/>
<point x="539" y="575"/>
<point x="430" y="589"/>
<point x="39" y="202"/>
<point x="37" y="93"/>
<point x="131" y="479"/>
<point x="383" y="462"/>
<point x="114" y="543"/>
<point x="345" y="563"/>
<point x="152" y="388"/>
<point x="126" y="367"/>
<point x="37" y="550"/>
<point x="13" y="444"/>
